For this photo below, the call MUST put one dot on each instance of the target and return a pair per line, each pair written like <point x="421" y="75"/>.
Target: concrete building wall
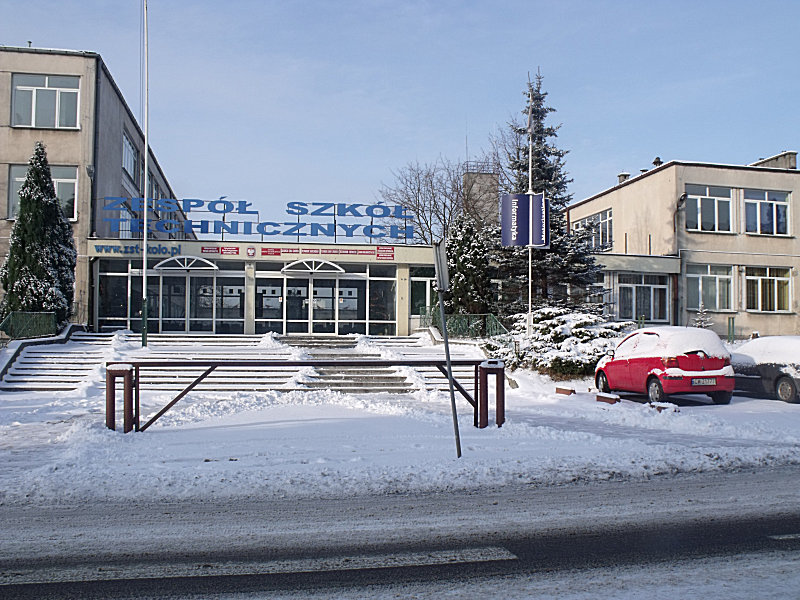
<point x="649" y="219"/>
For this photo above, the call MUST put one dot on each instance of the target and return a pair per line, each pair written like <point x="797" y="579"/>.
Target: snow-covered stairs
<point x="57" y="367"/>
<point x="79" y="362"/>
<point x="353" y="380"/>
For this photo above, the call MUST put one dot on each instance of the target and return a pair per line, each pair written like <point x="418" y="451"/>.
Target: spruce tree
<point x="568" y="262"/>
<point x="702" y="320"/>
<point x="468" y="253"/>
<point x="39" y="273"/>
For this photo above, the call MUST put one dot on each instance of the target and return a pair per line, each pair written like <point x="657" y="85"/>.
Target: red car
<point x="660" y="361"/>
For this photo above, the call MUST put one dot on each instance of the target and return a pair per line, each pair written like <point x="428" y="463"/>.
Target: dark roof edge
<point x="682" y="164"/>
<point x="83" y="53"/>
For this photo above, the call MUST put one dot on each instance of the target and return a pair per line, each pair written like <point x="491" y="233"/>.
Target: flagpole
<point x="146" y="182"/>
<point x="530" y="205"/>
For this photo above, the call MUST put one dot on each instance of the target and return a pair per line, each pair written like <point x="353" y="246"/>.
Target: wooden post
<point x="127" y="387"/>
<point x="497" y="368"/>
<point x="126" y="372"/>
<point x="111" y="400"/>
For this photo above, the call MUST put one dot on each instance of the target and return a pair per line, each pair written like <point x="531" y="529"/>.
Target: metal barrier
<point x="20" y="325"/>
<point x="464" y="326"/>
<point x="130" y="371"/>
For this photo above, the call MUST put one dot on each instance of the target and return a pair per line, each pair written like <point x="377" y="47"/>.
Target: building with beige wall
<point x="686" y="234"/>
<point x="69" y="101"/>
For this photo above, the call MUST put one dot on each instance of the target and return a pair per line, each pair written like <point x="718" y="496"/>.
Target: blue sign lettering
<point x="126" y="206"/>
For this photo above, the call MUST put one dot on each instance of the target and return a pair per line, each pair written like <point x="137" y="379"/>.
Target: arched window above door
<point x="312" y="266"/>
<point x="186" y="263"/>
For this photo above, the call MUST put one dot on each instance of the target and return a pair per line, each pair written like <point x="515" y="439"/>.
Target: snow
<point x="774" y="349"/>
<point x="54" y="446"/>
<point x="673" y="341"/>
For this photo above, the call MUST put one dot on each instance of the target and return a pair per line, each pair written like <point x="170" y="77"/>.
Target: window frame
<point x="636" y="290"/>
<point x="12" y="208"/>
<point x="34" y="90"/>
<point x="774" y="204"/>
<point x="700" y="289"/>
<point x="130" y="152"/>
<point x="602" y="239"/>
<point x="761" y="281"/>
<point x="698" y="199"/>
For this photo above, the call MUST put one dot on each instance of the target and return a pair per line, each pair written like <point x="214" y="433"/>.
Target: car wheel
<point x="786" y="390"/>
<point x="601" y="381"/>
<point x="655" y="392"/>
<point x="721" y="397"/>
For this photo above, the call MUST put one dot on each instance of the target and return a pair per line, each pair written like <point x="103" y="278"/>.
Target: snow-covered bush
<point x="563" y="343"/>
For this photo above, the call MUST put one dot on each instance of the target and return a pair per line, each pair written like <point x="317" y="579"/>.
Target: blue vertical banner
<point x="515" y="219"/>
<point x="525" y="220"/>
<point x="540" y="222"/>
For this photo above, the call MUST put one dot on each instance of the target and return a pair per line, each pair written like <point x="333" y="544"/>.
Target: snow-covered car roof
<point x="779" y="349"/>
<point x="674" y="341"/>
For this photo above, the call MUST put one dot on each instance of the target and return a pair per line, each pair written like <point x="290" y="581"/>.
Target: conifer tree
<point x="39" y="273"/>
<point x="568" y="262"/>
<point x="702" y="320"/>
<point x="468" y="253"/>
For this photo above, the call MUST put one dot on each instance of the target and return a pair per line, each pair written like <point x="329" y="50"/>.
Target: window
<point x="45" y="101"/>
<point x="767" y="288"/>
<point x="709" y="285"/>
<point x="766" y="212"/>
<point x="643" y="297"/>
<point x="65" y="181"/>
<point x="708" y="208"/>
<point x="603" y="234"/>
<point x="130" y="159"/>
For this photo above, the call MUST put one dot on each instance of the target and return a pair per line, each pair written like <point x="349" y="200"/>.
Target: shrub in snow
<point x="39" y="273"/>
<point x="563" y="343"/>
<point x="702" y="320"/>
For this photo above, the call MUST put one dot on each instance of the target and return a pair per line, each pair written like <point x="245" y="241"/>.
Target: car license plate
<point x="704" y="381"/>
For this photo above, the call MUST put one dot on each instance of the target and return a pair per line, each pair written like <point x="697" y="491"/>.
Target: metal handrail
<point x="132" y="412"/>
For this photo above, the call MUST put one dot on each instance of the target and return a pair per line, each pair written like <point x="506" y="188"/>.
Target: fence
<point x="20" y="325"/>
<point x="463" y="326"/>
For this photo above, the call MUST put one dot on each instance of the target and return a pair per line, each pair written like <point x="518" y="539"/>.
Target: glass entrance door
<point x="297" y="305"/>
<point x="173" y="304"/>
<point x="324" y="308"/>
<point x="201" y="304"/>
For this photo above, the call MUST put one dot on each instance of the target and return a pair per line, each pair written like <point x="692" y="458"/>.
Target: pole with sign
<point x="443" y="284"/>
<point x="525" y="221"/>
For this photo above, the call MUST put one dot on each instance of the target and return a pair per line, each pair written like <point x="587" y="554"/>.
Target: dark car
<point x="769" y="367"/>
<point x="660" y="361"/>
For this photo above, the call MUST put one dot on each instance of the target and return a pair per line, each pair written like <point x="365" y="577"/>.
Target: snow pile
<point x="783" y="349"/>
<point x="562" y="342"/>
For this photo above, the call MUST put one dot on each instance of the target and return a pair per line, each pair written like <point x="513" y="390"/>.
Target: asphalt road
<point x="191" y="549"/>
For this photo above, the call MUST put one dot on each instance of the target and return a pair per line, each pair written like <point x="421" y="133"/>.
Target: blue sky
<point x="281" y="101"/>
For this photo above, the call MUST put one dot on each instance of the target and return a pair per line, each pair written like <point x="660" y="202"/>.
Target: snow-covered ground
<point x="54" y="447"/>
